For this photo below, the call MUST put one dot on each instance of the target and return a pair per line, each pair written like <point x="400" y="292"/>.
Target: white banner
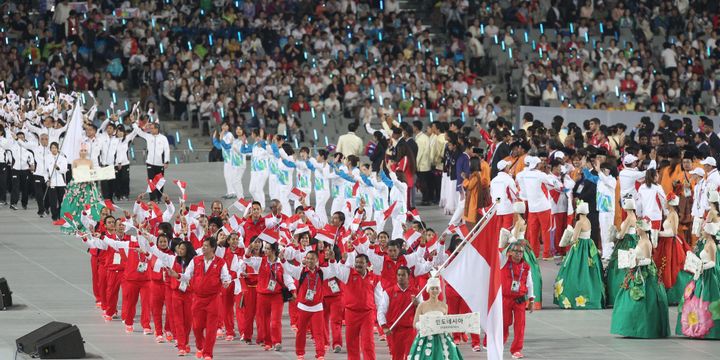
<point x="431" y="324"/>
<point x="83" y="174"/>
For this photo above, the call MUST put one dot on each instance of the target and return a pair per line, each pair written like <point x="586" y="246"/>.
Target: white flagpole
<point x="479" y="226"/>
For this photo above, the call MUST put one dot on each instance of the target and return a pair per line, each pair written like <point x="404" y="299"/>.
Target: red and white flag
<point x="325" y="236"/>
<point x="476" y="276"/>
<point x="182" y="185"/>
<point x="411" y="236"/>
<point x="269" y="236"/>
<point x="355" y="188"/>
<point x="156" y="183"/>
<point x="243" y="206"/>
<point x="414" y="215"/>
<point x="109" y="204"/>
<point x="296" y="194"/>
<point x="62" y="222"/>
<point x="368" y="224"/>
<point x="388" y="212"/>
<point x="462" y="230"/>
<point x="292" y="222"/>
<point x="355" y="225"/>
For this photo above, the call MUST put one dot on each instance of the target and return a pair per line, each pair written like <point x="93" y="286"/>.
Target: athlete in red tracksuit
<point x="254" y="224"/>
<point x="271" y="278"/>
<point x="247" y="300"/>
<point x="391" y="302"/>
<point x="227" y="299"/>
<point x="181" y="298"/>
<point x="309" y="297"/>
<point x="332" y="303"/>
<point x="517" y="289"/>
<point x="159" y="293"/>
<point x="136" y="282"/>
<point x="208" y="274"/>
<point x="360" y="307"/>
<point x="106" y="296"/>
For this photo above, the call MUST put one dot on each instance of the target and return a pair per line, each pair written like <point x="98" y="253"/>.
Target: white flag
<point x="74" y="134"/>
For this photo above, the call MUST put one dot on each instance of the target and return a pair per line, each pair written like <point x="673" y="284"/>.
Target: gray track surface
<point x="49" y="275"/>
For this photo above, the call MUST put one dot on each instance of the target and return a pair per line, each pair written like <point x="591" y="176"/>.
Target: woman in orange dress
<point x="669" y="256"/>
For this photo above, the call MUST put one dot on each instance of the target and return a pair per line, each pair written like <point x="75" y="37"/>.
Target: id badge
<point x="515" y="287"/>
<point x="117" y="259"/>
<point x="310" y="295"/>
<point x="142" y="267"/>
<point x="334" y="286"/>
<point x="271" y="285"/>
<point x="183" y="286"/>
<point x="687" y="191"/>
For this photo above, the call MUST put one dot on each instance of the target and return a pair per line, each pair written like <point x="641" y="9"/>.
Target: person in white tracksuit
<point x="273" y="189"/>
<point x="380" y="201"/>
<point x="224" y="141"/>
<point x="285" y="167"/>
<point x="321" y="170"/>
<point x="303" y="173"/>
<point x="348" y="179"/>
<point x="240" y="149"/>
<point x="259" y="172"/>
<point x="338" y="201"/>
<point x="366" y="193"/>
<point x="398" y="195"/>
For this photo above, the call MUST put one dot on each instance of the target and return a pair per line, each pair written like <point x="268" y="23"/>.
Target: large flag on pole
<point x="475" y="275"/>
<point x="74" y="134"/>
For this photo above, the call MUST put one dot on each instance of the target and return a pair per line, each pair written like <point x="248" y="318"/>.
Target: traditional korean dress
<point x="579" y="283"/>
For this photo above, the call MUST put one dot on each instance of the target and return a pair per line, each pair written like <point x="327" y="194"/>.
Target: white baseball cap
<point x="710" y="161"/>
<point x="502" y="164"/>
<point x="629" y="159"/>
<point x="532" y="161"/>
<point x="698" y="172"/>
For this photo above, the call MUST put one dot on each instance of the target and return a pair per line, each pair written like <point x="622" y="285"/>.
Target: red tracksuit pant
<point x="292" y="312"/>
<point x="131" y="291"/>
<point x="182" y="318"/>
<point x="157" y="301"/>
<point x="248" y="304"/>
<point x="269" y="317"/>
<point x="113" y="281"/>
<point x="94" y="264"/>
<point x="205" y="314"/>
<point x="514" y="314"/>
<point x="359" y="334"/>
<point x="315" y="321"/>
<point x="227" y="299"/>
<point x="399" y="341"/>
<point x="456" y="305"/>
<point x="333" y="314"/>
<point x="169" y="308"/>
<point x="560" y="220"/>
<point x="538" y="226"/>
<point x="504" y="221"/>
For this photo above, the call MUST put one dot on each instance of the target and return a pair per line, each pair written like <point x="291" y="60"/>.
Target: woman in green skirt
<point x="626" y="239"/>
<point x="438" y="346"/>
<point x="78" y="195"/>
<point x="641" y="306"/>
<point x="518" y="233"/>
<point x="579" y="283"/>
<point x="699" y="308"/>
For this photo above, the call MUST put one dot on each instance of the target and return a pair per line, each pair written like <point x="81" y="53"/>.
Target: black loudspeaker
<point x="55" y="340"/>
<point x="64" y="344"/>
<point x="5" y="295"/>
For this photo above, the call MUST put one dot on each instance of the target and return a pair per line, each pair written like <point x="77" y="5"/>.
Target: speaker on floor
<point x="64" y="344"/>
<point x="54" y="340"/>
<point x="5" y="295"/>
